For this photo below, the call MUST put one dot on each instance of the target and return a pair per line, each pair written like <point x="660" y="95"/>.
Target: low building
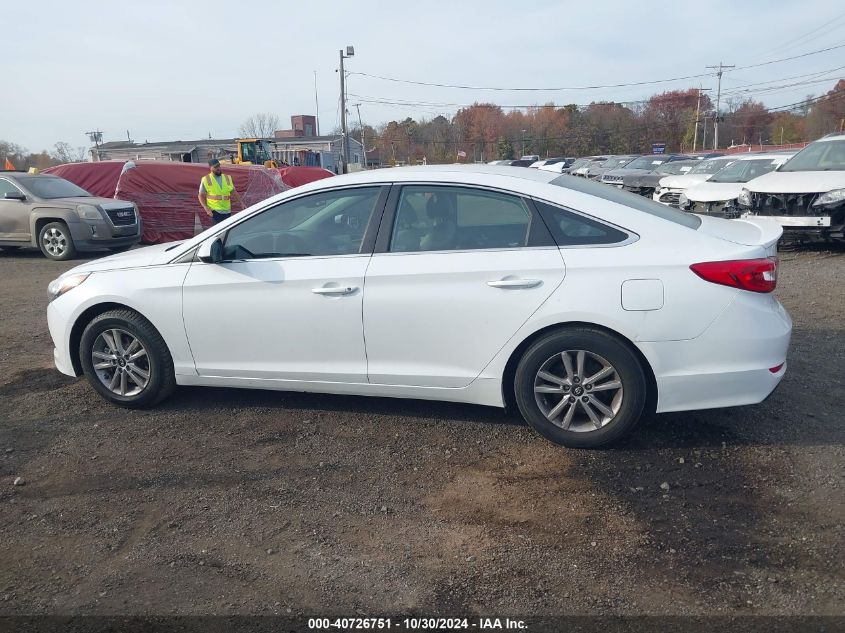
<point x="178" y="151"/>
<point x="317" y="151"/>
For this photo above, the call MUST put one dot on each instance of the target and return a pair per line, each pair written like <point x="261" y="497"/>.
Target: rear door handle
<point x="515" y="283"/>
<point x="334" y="290"/>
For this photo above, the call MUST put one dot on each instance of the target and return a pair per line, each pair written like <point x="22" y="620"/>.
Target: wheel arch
<point x="42" y="216"/>
<point x="82" y="321"/>
<point x="509" y="373"/>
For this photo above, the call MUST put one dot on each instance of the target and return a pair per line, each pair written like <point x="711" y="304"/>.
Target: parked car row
<point x="804" y="192"/>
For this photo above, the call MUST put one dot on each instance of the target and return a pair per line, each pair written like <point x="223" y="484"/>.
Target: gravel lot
<point x="234" y="502"/>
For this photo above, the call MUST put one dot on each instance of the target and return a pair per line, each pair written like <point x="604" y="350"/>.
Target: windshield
<point x="50" y="187"/>
<point x="745" y="170"/>
<point x="618" y="161"/>
<point x="711" y="166"/>
<point x="818" y="156"/>
<point x="676" y="167"/>
<point x="646" y="162"/>
<point x="630" y="200"/>
<point x="580" y="163"/>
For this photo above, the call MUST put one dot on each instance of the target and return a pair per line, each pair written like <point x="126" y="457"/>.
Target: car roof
<point x="765" y="155"/>
<point x="831" y="137"/>
<point x="417" y="172"/>
<point x="23" y="175"/>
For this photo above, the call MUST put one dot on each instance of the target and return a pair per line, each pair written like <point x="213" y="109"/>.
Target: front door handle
<point x="515" y="283"/>
<point x="334" y="290"/>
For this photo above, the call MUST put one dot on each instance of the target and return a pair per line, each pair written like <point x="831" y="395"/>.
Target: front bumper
<point x="59" y="323"/>
<point x="98" y="234"/>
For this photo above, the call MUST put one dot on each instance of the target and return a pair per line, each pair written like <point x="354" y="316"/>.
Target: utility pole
<point x="96" y="137"/>
<point x="719" y="69"/>
<point x="350" y="51"/>
<point x="523" y="144"/>
<point x="316" y="105"/>
<point x="697" y="118"/>
<point x="361" y="125"/>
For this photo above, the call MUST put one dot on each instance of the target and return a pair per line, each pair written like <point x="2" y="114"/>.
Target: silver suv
<point x="62" y="219"/>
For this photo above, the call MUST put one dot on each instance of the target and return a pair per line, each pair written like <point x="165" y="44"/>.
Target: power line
<point x="596" y="87"/>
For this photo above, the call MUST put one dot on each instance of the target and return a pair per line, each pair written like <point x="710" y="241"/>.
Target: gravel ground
<point x="233" y="502"/>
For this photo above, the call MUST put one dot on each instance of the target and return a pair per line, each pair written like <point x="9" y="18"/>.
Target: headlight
<point x="831" y="197"/>
<point x="744" y="198"/>
<point x="88" y="212"/>
<point x="61" y="285"/>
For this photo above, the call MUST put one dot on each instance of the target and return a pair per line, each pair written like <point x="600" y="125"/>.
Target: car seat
<point x="442" y="232"/>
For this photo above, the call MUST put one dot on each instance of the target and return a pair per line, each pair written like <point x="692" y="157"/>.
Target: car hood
<point x="71" y="203"/>
<point x="646" y="179"/>
<point x="624" y="171"/>
<point x="145" y="256"/>
<point x="682" y="181"/>
<point x="714" y="191"/>
<point x="797" y="182"/>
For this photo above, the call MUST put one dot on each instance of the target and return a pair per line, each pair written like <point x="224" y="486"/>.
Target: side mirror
<point x="211" y="251"/>
<point x="14" y="195"/>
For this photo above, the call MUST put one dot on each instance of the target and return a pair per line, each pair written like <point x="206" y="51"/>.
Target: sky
<point x="185" y="69"/>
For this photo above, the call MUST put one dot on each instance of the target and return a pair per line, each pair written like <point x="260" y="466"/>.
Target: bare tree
<point x="261" y="125"/>
<point x="64" y="153"/>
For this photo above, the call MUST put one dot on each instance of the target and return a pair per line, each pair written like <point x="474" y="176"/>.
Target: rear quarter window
<point x="571" y="229"/>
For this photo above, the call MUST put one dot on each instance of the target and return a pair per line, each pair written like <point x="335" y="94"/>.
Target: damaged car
<point x="805" y="195"/>
<point x="638" y="166"/>
<point x="644" y="184"/>
<point x="717" y="195"/>
<point x="671" y="187"/>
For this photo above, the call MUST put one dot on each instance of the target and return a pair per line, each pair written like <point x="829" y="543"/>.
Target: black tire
<point x="159" y="363"/>
<point x="62" y="247"/>
<point x="596" y="342"/>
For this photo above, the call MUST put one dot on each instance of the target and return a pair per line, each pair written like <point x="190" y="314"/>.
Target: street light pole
<point x="350" y="51"/>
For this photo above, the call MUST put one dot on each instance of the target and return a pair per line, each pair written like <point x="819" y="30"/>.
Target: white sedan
<point x="582" y="306"/>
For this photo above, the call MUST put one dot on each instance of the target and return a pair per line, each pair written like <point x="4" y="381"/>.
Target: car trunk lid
<point x="761" y="232"/>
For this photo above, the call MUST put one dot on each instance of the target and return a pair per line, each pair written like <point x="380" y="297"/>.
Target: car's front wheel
<point x="580" y="387"/>
<point x="126" y="360"/>
<point x="55" y="241"/>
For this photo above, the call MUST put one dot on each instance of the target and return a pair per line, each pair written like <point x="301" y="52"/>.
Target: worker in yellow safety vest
<point x="216" y="193"/>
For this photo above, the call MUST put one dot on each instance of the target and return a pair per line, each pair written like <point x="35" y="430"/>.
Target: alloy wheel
<point x="121" y="362"/>
<point x="55" y="242"/>
<point x="578" y="391"/>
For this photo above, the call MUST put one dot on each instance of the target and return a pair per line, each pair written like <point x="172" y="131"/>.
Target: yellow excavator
<point x="254" y="151"/>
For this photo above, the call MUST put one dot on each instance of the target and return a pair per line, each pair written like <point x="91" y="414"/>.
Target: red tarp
<point x="166" y="193"/>
<point x="297" y="176"/>
<point x="99" y="179"/>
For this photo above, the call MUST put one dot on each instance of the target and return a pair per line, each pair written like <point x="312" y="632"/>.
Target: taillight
<point x="756" y="275"/>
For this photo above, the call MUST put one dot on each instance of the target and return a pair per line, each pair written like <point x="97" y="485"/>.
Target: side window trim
<point x="367" y="242"/>
<point x="538" y="235"/>
<point x="632" y="237"/>
<point x="12" y="185"/>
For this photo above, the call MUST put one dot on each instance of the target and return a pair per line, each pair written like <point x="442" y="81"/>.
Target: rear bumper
<point x="730" y="363"/>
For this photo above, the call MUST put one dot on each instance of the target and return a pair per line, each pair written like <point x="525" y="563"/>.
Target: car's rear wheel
<point x="55" y="241"/>
<point x="580" y="387"/>
<point x="126" y="360"/>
